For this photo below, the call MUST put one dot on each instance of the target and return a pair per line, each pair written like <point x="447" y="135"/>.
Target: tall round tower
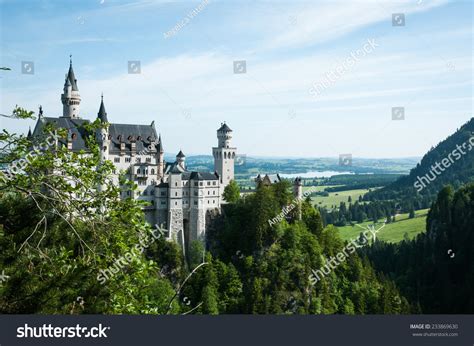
<point x="224" y="155"/>
<point x="71" y="99"/>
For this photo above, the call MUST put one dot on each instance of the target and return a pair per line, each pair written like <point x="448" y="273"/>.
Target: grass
<point x="392" y="232"/>
<point x="335" y="198"/>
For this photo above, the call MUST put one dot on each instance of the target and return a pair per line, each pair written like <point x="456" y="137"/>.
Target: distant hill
<point x="450" y="162"/>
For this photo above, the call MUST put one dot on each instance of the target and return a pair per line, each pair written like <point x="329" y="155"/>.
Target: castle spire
<point x="70" y="98"/>
<point x="160" y="145"/>
<point x="102" y="115"/>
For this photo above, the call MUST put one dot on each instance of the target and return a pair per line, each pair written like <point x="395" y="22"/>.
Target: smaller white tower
<point x="224" y="155"/>
<point x="180" y="159"/>
<point x="103" y="133"/>
<point x="70" y="98"/>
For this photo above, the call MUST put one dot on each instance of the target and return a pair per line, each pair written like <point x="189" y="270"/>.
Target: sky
<point x="309" y="87"/>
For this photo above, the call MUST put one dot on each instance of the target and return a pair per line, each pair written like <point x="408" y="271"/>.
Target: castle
<point x="180" y="200"/>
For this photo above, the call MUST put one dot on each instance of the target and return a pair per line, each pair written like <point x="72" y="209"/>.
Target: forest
<point x="55" y="242"/>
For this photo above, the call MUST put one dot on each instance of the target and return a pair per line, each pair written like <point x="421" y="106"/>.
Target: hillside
<point x="450" y="162"/>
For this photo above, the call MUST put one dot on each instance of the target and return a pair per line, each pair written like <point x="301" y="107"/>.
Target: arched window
<point x="225" y="155"/>
<point x="152" y="171"/>
<point x="138" y="171"/>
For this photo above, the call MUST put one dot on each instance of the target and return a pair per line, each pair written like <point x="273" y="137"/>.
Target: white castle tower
<point x="70" y="98"/>
<point x="224" y="156"/>
<point x="103" y="133"/>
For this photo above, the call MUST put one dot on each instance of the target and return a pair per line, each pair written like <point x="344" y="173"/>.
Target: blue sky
<point x="187" y="85"/>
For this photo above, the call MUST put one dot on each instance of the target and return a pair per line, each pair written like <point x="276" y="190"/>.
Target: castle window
<point x="195" y="203"/>
<point x="128" y="159"/>
<point x="175" y="203"/>
<point x="176" y="184"/>
<point x="74" y="136"/>
<point x="208" y="183"/>
<point x="225" y="155"/>
<point x="117" y="159"/>
<point x="195" y="193"/>
<point x="200" y="183"/>
<point x="109" y="137"/>
<point x="152" y="192"/>
<point x="138" y="171"/>
<point x="148" y="159"/>
<point x="213" y="192"/>
<point x="119" y="137"/>
<point x="196" y="183"/>
<point x="213" y="202"/>
<point x="213" y="183"/>
<point x="139" y="138"/>
<point x="152" y="171"/>
<point x="176" y="194"/>
<point x="163" y="193"/>
<point x="145" y="193"/>
<point x="208" y="192"/>
<point x="137" y="160"/>
<point x="208" y="201"/>
<point x="130" y="138"/>
<point x="163" y="202"/>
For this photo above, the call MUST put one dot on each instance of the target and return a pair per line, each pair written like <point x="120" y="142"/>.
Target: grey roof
<point x="175" y="168"/>
<point x="203" y="176"/>
<point x="102" y="115"/>
<point x="143" y="136"/>
<point x="74" y="126"/>
<point x="224" y="127"/>
<point x="180" y="154"/>
<point x="71" y="78"/>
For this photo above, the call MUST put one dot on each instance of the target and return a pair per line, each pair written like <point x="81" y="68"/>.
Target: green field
<point x="335" y="198"/>
<point x="392" y="232"/>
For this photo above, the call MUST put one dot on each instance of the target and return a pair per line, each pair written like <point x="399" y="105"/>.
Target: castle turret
<point x="161" y="158"/>
<point x="70" y="98"/>
<point x="102" y="115"/>
<point x="224" y="155"/>
<point x="180" y="159"/>
<point x="103" y="133"/>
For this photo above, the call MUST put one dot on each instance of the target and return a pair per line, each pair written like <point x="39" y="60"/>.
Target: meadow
<point x="334" y="198"/>
<point x="392" y="232"/>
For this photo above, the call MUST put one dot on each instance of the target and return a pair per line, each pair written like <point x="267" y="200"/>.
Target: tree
<point x="231" y="192"/>
<point x="63" y="238"/>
